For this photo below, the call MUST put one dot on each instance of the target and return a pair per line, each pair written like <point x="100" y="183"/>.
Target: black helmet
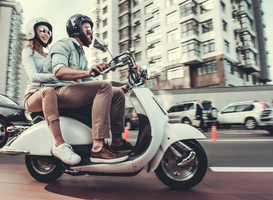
<point x="74" y="25"/>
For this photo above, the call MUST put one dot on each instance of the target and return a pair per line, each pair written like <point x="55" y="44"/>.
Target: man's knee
<point x="118" y="92"/>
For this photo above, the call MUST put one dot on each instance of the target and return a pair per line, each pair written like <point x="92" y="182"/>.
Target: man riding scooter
<point x="75" y="88"/>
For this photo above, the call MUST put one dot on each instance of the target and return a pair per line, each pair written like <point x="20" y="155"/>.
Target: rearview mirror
<point x="100" y="44"/>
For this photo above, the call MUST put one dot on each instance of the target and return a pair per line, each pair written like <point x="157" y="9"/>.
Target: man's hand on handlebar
<point x="98" y="68"/>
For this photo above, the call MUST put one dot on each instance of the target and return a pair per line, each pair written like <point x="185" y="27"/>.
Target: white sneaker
<point x="66" y="154"/>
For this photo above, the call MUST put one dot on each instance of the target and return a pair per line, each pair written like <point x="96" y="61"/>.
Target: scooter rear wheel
<point x="187" y="176"/>
<point x="43" y="168"/>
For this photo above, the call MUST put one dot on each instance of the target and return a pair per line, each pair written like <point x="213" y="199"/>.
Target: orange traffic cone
<point x="126" y="136"/>
<point x="213" y="133"/>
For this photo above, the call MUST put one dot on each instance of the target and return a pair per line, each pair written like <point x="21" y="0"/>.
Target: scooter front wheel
<point x="43" y="168"/>
<point x="186" y="176"/>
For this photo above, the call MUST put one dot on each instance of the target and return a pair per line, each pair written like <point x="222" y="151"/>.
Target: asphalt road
<point x="240" y="167"/>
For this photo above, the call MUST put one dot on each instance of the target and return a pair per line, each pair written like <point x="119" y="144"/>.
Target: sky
<point x="57" y="12"/>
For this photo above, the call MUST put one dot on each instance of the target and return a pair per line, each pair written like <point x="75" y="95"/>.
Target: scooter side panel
<point x="38" y="140"/>
<point x="143" y="102"/>
<point x="173" y="133"/>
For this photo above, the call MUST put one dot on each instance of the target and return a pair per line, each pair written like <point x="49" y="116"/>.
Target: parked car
<point x="246" y="113"/>
<point x="131" y="119"/>
<point x="10" y="114"/>
<point x="185" y="112"/>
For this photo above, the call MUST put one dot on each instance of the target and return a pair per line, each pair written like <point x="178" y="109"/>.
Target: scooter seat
<point x="82" y="114"/>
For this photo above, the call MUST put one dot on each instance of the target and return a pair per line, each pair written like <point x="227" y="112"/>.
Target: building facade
<point x="187" y="43"/>
<point x="11" y="47"/>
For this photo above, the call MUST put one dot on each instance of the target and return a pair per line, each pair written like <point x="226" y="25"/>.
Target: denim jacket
<point x="66" y="52"/>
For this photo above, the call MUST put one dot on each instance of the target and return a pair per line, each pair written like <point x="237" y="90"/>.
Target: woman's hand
<point x="124" y="89"/>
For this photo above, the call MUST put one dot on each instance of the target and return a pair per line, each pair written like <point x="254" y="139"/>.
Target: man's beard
<point x="86" y="40"/>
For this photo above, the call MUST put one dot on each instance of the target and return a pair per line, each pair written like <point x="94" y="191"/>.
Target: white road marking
<point x="241" y="169"/>
<point x="238" y="140"/>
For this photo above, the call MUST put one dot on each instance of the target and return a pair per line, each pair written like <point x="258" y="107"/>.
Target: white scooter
<point x="171" y="150"/>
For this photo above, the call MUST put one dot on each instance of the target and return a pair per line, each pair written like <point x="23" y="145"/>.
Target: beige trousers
<point x="106" y="101"/>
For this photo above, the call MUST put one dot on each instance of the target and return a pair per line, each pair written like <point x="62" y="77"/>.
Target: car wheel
<point x="3" y="133"/>
<point x="250" y="123"/>
<point x="186" y="121"/>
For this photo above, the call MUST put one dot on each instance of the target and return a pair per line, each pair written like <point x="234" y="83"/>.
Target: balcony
<point x="193" y="60"/>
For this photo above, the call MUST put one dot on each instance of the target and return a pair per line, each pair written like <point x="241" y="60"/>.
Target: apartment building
<point x="11" y="45"/>
<point x="187" y="43"/>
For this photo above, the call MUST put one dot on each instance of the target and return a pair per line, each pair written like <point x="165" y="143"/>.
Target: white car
<point x="247" y="113"/>
<point x="185" y="112"/>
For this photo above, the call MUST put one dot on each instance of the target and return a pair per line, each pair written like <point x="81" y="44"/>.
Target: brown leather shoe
<point x="107" y="155"/>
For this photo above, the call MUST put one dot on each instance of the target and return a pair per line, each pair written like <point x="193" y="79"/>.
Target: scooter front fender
<point x="173" y="133"/>
<point x="38" y="140"/>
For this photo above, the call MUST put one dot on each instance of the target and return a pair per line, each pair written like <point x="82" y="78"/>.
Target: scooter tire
<point x="43" y="168"/>
<point x="185" y="177"/>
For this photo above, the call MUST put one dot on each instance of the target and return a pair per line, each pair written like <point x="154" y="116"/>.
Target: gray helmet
<point x="74" y="25"/>
<point x="31" y="26"/>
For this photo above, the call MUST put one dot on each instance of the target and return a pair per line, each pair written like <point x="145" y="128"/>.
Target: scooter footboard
<point x="173" y="133"/>
<point x="38" y="140"/>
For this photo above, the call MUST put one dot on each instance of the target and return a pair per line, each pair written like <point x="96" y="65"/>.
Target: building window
<point x="172" y="36"/>
<point x="104" y="22"/>
<point x="250" y="57"/>
<point x="246" y="22"/>
<point x="137" y="28"/>
<point x="208" y="46"/>
<point x="169" y="3"/>
<point x="149" y="22"/>
<point x="155" y="66"/>
<point x="124" y="20"/>
<point x="174" y="73"/>
<point x="187" y="8"/>
<point x="104" y="10"/>
<point x="229" y="67"/>
<point x="124" y="33"/>
<point x="123" y="7"/>
<point x="148" y="8"/>
<point x="137" y="2"/>
<point x="191" y="48"/>
<point x="124" y="46"/>
<point x="171" y="18"/>
<point x="206" y="6"/>
<point x="224" y="25"/>
<point x="104" y="35"/>
<point x="189" y="28"/>
<point x="138" y="56"/>
<point x="137" y="43"/>
<point x="226" y="46"/>
<point x="123" y="74"/>
<point x="207" y="26"/>
<point x="154" y="51"/>
<point x="223" y="7"/>
<point x="173" y="54"/>
<point x="136" y="14"/>
<point x="156" y="34"/>
<point x="247" y="39"/>
<point x="207" y="68"/>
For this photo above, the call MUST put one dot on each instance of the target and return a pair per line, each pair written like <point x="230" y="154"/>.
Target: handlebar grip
<point x="95" y="73"/>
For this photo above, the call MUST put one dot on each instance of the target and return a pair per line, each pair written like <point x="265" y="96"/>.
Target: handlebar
<point x="137" y="76"/>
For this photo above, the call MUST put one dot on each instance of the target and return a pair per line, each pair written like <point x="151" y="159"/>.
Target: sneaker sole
<point x="108" y="161"/>
<point x="68" y="162"/>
